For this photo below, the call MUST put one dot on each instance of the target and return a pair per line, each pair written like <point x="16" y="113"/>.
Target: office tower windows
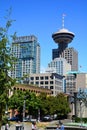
<point x="27" y="51"/>
<point x="70" y="54"/>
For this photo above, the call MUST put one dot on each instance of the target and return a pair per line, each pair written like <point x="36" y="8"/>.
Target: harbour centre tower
<point x="63" y="37"/>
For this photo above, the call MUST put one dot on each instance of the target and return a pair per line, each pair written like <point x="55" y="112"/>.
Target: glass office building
<point x="27" y="51"/>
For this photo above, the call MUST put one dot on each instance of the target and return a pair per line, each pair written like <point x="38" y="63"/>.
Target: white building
<point x="59" y="66"/>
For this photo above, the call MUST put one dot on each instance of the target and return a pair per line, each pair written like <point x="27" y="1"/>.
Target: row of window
<point x="41" y="82"/>
<point x="41" y="78"/>
<point x="51" y="87"/>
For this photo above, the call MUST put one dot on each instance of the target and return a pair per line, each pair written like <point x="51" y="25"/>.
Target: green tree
<point x="61" y="105"/>
<point x="16" y="101"/>
<point x="43" y="104"/>
<point x="51" y="105"/>
<point x="6" y="61"/>
<point x="32" y="103"/>
<point x="54" y="105"/>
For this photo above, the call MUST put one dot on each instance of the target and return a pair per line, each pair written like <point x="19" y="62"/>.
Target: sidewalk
<point x="27" y="126"/>
<point x="16" y="125"/>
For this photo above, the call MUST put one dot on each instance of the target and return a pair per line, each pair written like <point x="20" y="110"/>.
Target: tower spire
<point x="63" y="16"/>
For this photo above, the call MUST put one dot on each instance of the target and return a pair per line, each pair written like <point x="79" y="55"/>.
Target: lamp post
<point x="6" y="111"/>
<point x="72" y="105"/>
<point x="81" y="112"/>
<point x="38" y="114"/>
<point x="24" y="107"/>
<point x="81" y="98"/>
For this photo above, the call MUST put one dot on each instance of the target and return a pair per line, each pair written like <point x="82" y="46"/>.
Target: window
<point x="32" y="78"/>
<point x="41" y="77"/>
<point x="46" y="77"/>
<point x="37" y="83"/>
<point x="37" y="78"/>
<point x="51" y="77"/>
<point x="46" y="87"/>
<point x="51" y="87"/>
<point x="51" y="82"/>
<point x="41" y="82"/>
<point x="52" y="92"/>
<point x="46" y="82"/>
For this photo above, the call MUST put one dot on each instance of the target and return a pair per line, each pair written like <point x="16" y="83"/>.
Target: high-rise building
<point x="70" y="54"/>
<point x="63" y="37"/>
<point x="27" y="51"/>
<point x="59" y="66"/>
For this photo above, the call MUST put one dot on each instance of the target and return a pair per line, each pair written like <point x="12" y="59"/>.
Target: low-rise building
<point x="30" y="88"/>
<point x="51" y="81"/>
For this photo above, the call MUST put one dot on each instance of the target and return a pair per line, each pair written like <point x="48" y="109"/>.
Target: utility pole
<point x="24" y="108"/>
<point x="38" y="114"/>
<point x="81" y="96"/>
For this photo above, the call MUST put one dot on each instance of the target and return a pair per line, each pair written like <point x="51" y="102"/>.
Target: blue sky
<point x="44" y="17"/>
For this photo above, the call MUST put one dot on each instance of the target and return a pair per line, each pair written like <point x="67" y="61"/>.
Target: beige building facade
<point x="74" y="82"/>
<point x="81" y="81"/>
<point x="51" y="81"/>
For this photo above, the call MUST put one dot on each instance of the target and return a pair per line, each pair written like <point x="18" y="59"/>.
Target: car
<point x="14" y="119"/>
<point x="47" y="118"/>
<point x="25" y="120"/>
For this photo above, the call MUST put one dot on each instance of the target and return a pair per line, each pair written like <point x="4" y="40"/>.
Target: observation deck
<point x="63" y="36"/>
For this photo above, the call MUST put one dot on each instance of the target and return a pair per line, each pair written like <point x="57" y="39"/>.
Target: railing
<point x="66" y="128"/>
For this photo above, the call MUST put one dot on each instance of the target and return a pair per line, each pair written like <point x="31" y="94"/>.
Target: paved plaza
<point x="18" y="126"/>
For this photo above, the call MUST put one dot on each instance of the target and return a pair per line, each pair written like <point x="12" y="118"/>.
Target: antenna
<point x="63" y="16"/>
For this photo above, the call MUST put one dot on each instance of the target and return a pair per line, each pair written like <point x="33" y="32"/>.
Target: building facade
<point x="59" y="66"/>
<point x="70" y="54"/>
<point x="51" y="81"/>
<point x="81" y="81"/>
<point x="27" y="51"/>
<point x="30" y="88"/>
<point x="70" y="83"/>
<point x="75" y="81"/>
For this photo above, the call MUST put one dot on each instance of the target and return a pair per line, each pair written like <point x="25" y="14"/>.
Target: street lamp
<point x="81" y="112"/>
<point x="6" y="111"/>
<point x="24" y="107"/>
<point x="38" y="114"/>
<point x="81" y="97"/>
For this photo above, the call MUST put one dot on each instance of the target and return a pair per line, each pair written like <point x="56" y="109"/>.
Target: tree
<point x="54" y="105"/>
<point x="6" y="61"/>
<point x="51" y="105"/>
<point x="16" y="102"/>
<point x="62" y="105"/>
<point x="43" y="104"/>
<point x="32" y="103"/>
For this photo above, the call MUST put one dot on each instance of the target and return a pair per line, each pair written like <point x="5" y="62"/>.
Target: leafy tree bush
<point x="6" y="61"/>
